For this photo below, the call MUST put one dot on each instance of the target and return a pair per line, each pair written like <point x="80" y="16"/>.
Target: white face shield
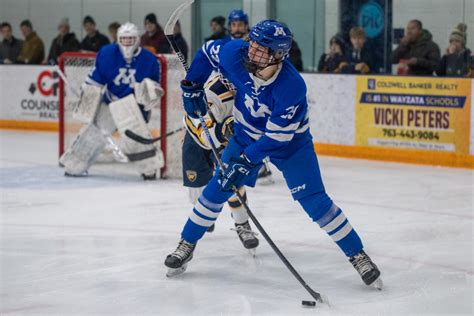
<point x="128" y="40"/>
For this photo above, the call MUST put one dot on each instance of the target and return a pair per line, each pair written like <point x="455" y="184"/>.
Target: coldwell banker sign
<point x="413" y="113"/>
<point x="29" y="93"/>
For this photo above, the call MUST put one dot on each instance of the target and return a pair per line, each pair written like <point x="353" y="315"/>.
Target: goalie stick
<point x="169" y="35"/>
<point x="148" y="141"/>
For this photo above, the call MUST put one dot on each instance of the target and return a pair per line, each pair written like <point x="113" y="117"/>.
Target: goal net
<point x="168" y="118"/>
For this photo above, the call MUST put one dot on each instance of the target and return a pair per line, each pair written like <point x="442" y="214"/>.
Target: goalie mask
<point x="128" y="40"/>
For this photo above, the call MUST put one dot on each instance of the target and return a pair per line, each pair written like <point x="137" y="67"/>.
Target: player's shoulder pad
<point x="291" y="86"/>
<point x="231" y="52"/>
<point x="107" y="53"/>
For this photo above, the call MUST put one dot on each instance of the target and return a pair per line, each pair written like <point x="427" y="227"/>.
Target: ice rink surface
<point x="96" y="245"/>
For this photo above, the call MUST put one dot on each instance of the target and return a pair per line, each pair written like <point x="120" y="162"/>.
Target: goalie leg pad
<point x="88" y="144"/>
<point x="127" y="115"/>
<point x="89" y="102"/>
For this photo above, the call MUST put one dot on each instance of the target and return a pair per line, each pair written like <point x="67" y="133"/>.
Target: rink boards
<point x="424" y="120"/>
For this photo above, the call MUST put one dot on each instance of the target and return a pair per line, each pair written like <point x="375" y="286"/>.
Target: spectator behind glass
<point x="458" y="60"/>
<point x="154" y="38"/>
<point x="180" y="41"/>
<point x="359" y="56"/>
<point x="32" y="51"/>
<point x="417" y="54"/>
<point x="10" y="47"/>
<point x="113" y="28"/>
<point x="64" y="42"/>
<point x="334" y="61"/>
<point x="94" y="40"/>
<point x="217" y="28"/>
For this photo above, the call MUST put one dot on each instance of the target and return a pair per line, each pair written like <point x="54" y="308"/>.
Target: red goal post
<point x="77" y="65"/>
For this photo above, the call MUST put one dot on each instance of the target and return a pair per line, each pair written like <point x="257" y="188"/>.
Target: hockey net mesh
<point x="76" y="67"/>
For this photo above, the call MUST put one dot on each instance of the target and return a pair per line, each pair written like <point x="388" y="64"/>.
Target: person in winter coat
<point x="417" y="53"/>
<point x="154" y="38"/>
<point x="10" y="47"/>
<point x="32" y="51"/>
<point x="458" y="60"/>
<point x="334" y="61"/>
<point x="94" y="40"/>
<point x="64" y="42"/>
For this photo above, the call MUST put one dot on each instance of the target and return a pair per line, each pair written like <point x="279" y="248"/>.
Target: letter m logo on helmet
<point x="279" y="31"/>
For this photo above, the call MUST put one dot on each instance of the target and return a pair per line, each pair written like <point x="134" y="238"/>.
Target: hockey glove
<point x="236" y="173"/>
<point x="225" y="130"/>
<point x="194" y="98"/>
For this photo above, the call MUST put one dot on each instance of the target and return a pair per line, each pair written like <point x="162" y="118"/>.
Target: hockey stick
<point x="148" y="141"/>
<point x="169" y="35"/>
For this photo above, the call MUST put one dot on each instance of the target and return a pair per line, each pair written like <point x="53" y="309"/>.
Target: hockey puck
<point x="308" y="303"/>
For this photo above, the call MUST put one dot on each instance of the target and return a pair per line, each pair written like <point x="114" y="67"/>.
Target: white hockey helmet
<point x="128" y="39"/>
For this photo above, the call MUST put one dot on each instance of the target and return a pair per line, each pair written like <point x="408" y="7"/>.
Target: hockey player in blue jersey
<point x="118" y="94"/>
<point x="271" y="119"/>
<point x="198" y="161"/>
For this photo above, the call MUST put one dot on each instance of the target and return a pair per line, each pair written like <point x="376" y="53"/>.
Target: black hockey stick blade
<point x="148" y="141"/>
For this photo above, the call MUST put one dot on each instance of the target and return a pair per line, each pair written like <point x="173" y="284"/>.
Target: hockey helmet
<point x="238" y="15"/>
<point x="274" y="35"/>
<point x="128" y="39"/>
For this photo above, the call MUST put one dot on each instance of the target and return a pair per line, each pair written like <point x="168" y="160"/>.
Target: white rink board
<point x="29" y="93"/>
<point x="331" y="101"/>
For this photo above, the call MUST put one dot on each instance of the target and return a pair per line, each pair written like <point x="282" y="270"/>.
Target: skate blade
<point x="252" y="252"/>
<point x="378" y="284"/>
<point x="174" y="272"/>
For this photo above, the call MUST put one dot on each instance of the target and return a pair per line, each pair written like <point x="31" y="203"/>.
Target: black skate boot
<point x="368" y="271"/>
<point x="246" y="235"/>
<point x="264" y="176"/>
<point x="177" y="262"/>
<point x="210" y="229"/>
<point x="149" y="177"/>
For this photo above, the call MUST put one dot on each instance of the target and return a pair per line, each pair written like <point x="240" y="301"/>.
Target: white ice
<point x="96" y="245"/>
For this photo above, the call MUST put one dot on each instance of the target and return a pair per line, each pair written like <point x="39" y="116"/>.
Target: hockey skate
<point x="265" y="176"/>
<point x="368" y="271"/>
<point x="210" y="229"/>
<point x="247" y="236"/>
<point x="177" y="262"/>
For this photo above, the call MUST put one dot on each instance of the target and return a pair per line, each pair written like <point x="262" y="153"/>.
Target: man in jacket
<point x="94" y="40"/>
<point x="10" y="47"/>
<point x="417" y="51"/>
<point x="64" y="42"/>
<point x="359" y="56"/>
<point x="32" y="51"/>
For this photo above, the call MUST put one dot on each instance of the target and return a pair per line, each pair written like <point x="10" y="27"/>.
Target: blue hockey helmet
<point x="238" y="15"/>
<point x="274" y="35"/>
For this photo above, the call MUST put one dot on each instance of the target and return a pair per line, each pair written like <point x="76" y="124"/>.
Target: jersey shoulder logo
<point x="279" y="31"/>
<point x="291" y="112"/>
<point x="125" y="76"/>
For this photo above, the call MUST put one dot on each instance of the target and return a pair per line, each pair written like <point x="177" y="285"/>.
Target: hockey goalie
<point x="118" y="95"/>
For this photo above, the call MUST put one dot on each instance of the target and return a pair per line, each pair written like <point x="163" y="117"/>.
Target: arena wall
<point x="347" y="119"/>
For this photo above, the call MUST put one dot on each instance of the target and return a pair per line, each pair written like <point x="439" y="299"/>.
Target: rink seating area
<point x="424" y="120"/>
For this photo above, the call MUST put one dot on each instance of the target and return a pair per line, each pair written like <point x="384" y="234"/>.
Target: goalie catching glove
<point x="148" y="93"/>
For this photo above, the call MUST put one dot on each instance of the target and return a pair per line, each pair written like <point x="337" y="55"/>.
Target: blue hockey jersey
<point x="112" y="71"/>
<point x="271" y="117"/>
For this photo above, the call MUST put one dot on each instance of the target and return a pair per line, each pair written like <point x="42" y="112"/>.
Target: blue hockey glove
<point x="194" y="98"/>
<point x="236" y="173"/>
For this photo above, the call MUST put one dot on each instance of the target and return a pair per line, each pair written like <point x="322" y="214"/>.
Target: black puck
<point x="308" y="303"/>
